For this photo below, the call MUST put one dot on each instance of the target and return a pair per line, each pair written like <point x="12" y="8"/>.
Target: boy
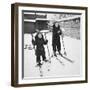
<point x="39" y="42"/>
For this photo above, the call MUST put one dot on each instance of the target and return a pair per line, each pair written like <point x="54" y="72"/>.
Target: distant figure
<point x="39" y="42"/>
<point x="56" y="38"/>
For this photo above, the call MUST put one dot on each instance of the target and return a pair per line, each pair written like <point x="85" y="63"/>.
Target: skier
<point x="39" y="42"/>
<point x="56" y="44"/>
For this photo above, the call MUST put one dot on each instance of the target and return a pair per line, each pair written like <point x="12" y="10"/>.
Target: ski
<point x="40" y="70"/>
<point x="58" y="59"/>
<point x="48" y="50"/>
<point x="66" y="58"/>
<point x="48" y="63"/>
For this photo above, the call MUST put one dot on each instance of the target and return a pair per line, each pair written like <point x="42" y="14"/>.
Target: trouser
<point x="57" y="46"/>
<point x="39" y="55"/>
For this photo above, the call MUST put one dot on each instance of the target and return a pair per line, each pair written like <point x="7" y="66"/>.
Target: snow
<point x="69" y="69"/>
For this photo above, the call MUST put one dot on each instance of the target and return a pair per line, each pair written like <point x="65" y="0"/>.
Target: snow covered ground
<point x="69" y="69"/>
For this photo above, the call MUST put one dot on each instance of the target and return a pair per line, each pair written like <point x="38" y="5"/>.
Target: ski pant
<point x="38" y="58"/>
<point x="56" y="46"/>
<point x="40" y="54"/>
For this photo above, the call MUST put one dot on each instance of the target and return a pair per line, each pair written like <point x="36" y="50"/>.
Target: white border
<point x="23" y="81"/>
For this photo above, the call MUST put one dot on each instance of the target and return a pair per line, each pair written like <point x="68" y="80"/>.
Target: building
<point x="33" y="21"/>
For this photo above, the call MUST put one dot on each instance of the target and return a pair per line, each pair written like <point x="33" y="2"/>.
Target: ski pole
<point x="48" y="49"/>
<point x="64" y="47"/>
<point x="32" y="39"/>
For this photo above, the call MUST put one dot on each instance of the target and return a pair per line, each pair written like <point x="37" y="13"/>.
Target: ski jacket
<point x="56" y="35"/>
<point x="39" y="42"/>
<point x="56" y="32"/>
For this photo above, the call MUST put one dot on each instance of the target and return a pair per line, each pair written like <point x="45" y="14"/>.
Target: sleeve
<point x="60" y="32"/>
<point x="34" y="41"/>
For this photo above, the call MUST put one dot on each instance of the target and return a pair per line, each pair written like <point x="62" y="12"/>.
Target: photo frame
<point x="63" y="58"/>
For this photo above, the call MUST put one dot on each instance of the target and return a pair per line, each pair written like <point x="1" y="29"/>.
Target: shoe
<point x="55" y="55"/>
<point x="39" y="64"/>
<point x="45" y="60"/>
<point x="60" y="54"/>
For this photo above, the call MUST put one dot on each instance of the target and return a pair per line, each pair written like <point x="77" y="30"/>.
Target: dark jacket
<point x="56" y="35"/>
<point x="39" y="42"/>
